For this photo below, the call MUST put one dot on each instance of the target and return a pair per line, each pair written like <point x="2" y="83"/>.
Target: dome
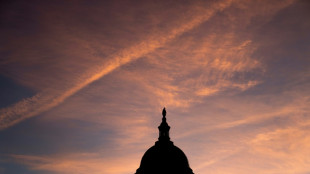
<point x="164" y="157"/>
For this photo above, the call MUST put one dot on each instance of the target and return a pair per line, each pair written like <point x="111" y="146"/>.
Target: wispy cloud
<point x="78" y="163"/>
<point x="51" y="98"/>
<point x="236" y="93"/>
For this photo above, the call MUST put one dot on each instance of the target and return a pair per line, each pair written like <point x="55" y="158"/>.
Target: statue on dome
<point x="164" y="112"/>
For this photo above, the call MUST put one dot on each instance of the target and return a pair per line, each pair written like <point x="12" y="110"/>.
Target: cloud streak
<point x="50" y="98"/>
<point x="236" y="91"/>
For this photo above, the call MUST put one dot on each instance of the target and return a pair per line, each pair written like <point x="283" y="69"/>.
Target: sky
<point x="83" y="84"/>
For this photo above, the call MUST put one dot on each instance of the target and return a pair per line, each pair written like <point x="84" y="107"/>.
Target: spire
<point x="164" y="128"/>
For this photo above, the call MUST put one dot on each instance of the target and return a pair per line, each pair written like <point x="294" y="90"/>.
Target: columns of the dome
<point x="164" y="128"/>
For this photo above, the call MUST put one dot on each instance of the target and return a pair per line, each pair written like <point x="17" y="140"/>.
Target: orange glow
<point x="83" y="85"/>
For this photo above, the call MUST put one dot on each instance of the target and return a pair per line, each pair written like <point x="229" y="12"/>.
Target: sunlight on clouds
<point x="249" y="113"/>
<point x="15" y="114"/>
<point x="213" y="67"/>
<point x="207" y="91"/>
<point x="229" y="108"/>
<point x="230" y="57"/>
<point x="79" y="163"/>
<point x="222" y="85"/>
<point x="288" y="145"/>
<point x="261" y="145"/>
<point x="130" y="133"/>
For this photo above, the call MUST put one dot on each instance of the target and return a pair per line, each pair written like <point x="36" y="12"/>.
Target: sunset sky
<point x="83" y="84"/>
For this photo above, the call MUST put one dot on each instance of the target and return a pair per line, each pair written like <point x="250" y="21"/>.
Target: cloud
<point x="276" y="143"/>
<point x="50" y="98"/>
<point x="288" y="146"/>
<point x="184" y="71"/>
<point x="79" y="163"/>
<point x="216" y="57"/>
<point x="227" y="110"/>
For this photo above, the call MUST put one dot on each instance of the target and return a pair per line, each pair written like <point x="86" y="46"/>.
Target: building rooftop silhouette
<point x="164" y="157"/>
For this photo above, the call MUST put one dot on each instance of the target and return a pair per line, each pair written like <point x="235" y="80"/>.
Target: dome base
<point x="164" y="158"/>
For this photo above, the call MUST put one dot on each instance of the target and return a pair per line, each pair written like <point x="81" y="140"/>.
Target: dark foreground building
<point x="164" y="157"/>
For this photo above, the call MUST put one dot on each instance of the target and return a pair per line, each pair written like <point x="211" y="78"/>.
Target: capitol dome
<point x="164" y="157"/>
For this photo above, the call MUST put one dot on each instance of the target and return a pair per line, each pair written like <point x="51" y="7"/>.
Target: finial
<point x="164" y="112"/>
<point x="164" y="128"/>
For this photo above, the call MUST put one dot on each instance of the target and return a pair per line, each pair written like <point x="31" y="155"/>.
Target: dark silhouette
<point x="164" y="112"/>
<point x="164" y="157"/>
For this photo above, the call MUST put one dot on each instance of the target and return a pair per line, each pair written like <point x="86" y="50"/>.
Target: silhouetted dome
<point x="164" y="157"/>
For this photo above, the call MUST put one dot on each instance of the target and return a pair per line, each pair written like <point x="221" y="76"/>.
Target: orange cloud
<point x="197" y="74"/>
<point x="51" y="98"/>
<point x="79" y="163"/>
